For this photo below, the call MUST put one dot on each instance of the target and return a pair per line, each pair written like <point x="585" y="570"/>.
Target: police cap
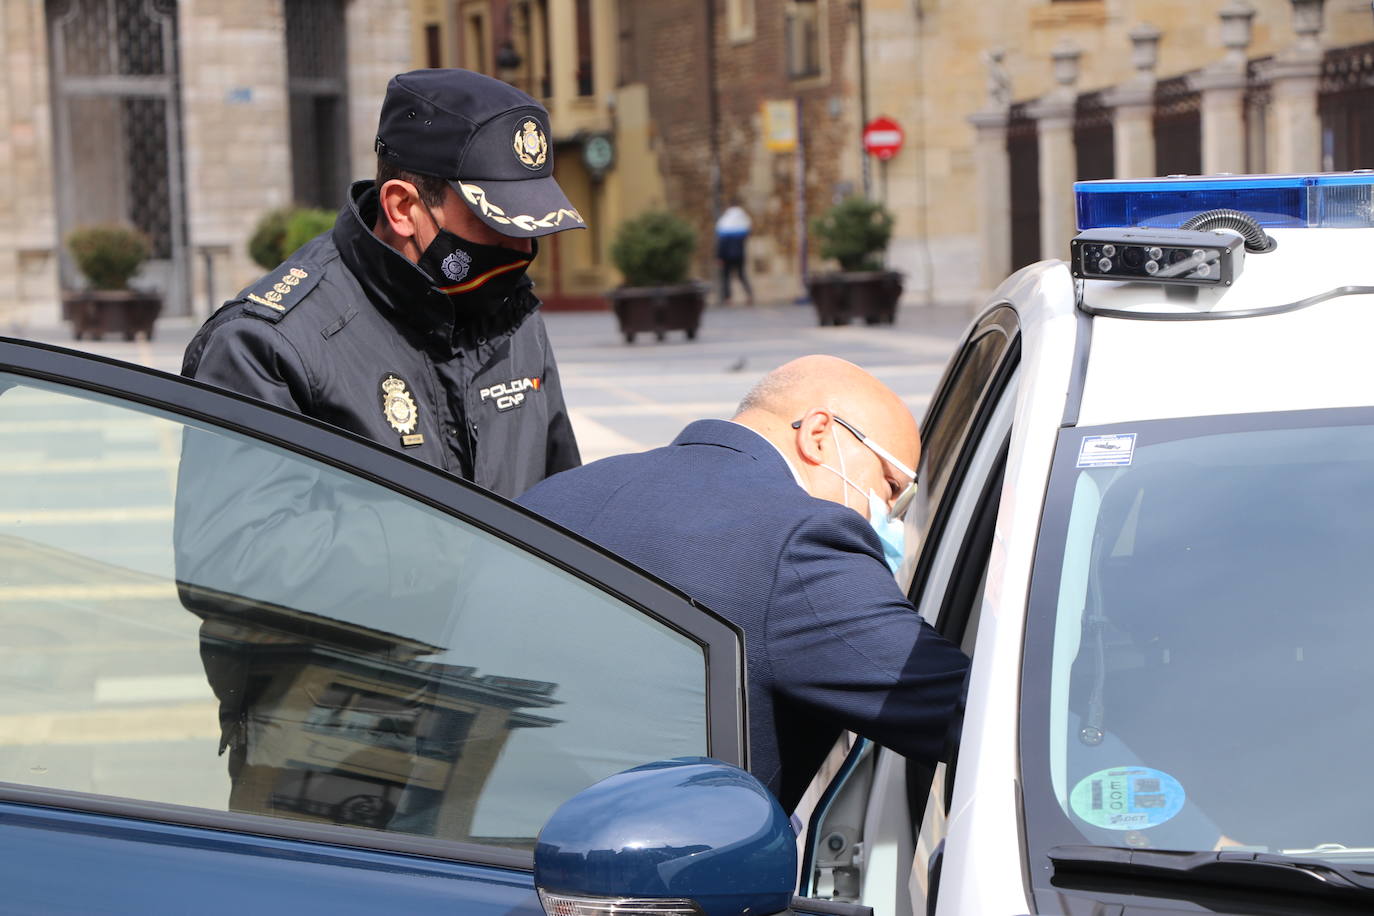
<point x="488" y="139"/>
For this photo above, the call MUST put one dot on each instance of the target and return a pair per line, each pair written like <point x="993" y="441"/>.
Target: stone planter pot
<point x="871" y="295"/>
<point x="118" y="311"/>
<point x="659" y="309"/>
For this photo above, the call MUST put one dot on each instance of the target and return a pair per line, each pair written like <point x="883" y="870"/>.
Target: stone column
<point x="28" y="211"/>
<point x="1133" y="128"/>
<point x="605" y="51"/>
<point x="1058" y="165"/>
<point x="1222" y="87"/>
<point x="1223" y="120"/>
<point x="993" y="171"/>
<point x="994" y="195"/>
<point x="1295" y="126"/>
<point x="237" y="139"/>
<point x="379" y="47"/>
<point x="562" y="40"/>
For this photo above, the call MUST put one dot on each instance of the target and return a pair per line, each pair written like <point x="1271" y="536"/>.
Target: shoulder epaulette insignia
<point x="273" y="296"/>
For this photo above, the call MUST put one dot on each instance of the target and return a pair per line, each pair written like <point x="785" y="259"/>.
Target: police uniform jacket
<point x="349" y="331"/>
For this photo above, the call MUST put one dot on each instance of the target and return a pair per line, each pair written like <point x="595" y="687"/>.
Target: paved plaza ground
<point x="629" y="397"/>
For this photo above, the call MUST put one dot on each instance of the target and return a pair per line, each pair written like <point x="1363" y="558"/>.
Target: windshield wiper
<point x="1254" y="871"/>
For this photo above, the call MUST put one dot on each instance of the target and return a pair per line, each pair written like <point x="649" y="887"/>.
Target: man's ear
<point x="398" y="200"/>
<point x="814" y="441"/>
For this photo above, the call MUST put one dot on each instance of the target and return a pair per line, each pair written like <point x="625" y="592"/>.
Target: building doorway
<point x="116" y="105"/>
<point x="1094" y="140"/>
<point x="317" y="89"/>
<point x="1347" y="109"/>
<point x="1178" y="128"/>
<point x="569" y="273"/>
<point x="1023" y="160"/>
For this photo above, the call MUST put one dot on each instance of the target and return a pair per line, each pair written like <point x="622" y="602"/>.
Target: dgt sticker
<point x="509" y="395"/>
<point x="1127" y="798"/>
<point x="1106" y="451"/>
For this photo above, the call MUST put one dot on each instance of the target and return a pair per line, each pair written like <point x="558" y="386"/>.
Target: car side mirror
<point x="685" y="837"/>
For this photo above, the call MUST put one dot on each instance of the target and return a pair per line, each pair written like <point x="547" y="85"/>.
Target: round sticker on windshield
<point x="1127" y="798"/>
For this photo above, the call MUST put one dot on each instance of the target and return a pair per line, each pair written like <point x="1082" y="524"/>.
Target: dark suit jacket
<point x="831" y="642"/>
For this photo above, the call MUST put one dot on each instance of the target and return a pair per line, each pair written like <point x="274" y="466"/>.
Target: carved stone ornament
<point x="1307" y="22"/>
<point x="1144" y="48"/>
<point x="1065" y="56"/>
<point x="999" y="81"/>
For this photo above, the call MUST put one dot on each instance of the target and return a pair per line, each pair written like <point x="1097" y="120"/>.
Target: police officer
<point x="412" y="321"/>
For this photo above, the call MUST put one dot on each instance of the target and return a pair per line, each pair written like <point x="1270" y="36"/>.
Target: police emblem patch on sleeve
<point x="400" y="410"/>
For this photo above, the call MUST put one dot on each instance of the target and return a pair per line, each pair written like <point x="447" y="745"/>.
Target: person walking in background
<point x="732" y="232"/>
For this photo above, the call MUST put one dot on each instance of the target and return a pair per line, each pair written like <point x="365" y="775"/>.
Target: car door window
<point x="961" y="569"/>
<point x="957" y="416"/>
<point x="195" y="617"/>
<point x="963" y="454"/>
<point x="970" y="421"/>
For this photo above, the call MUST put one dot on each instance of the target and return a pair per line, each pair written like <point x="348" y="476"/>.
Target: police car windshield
<point x="1199" y="641"/>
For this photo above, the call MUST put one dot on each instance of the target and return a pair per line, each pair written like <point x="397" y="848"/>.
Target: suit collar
<point x="742" y="439"/>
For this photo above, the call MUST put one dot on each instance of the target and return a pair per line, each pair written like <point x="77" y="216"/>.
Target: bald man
<point x="777" y="521"/>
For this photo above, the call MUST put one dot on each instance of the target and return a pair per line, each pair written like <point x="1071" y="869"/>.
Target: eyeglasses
<point x="902" y="499"/>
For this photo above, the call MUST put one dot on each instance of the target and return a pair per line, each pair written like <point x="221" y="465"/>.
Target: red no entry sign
<point x="883" y="138"/>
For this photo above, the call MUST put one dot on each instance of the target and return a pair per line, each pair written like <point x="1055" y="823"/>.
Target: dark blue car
<point x="251" y="664"/>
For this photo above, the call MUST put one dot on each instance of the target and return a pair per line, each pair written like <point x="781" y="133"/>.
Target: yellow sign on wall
<point x="779" y="118"/>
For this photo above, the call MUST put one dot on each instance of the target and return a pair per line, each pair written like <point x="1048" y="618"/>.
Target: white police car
<point x="1147" y="510"/>
<point x="1148" y="485"/>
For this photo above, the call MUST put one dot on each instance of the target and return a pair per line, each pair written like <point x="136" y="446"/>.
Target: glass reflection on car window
<point x="198" y="618"/>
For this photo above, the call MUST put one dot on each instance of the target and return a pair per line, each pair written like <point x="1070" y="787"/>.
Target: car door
<point x="876" y="835"/>
<point x="251" y="663"/>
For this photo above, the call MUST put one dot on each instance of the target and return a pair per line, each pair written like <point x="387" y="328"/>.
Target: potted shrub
<point x="280" y="232"/>
<point x="109" y="256"/>
<point x="653" y="252"/>
<point x="855" y="232"/>
<point x="267" y="244"/>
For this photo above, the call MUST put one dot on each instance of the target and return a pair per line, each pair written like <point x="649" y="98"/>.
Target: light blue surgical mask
<point x="891" y="531"/>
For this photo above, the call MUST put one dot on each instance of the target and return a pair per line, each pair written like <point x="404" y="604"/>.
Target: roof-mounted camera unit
<point x="1182" y="256"/>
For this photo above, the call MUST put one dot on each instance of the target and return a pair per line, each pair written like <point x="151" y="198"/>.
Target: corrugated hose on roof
<point x="1256" y="239"/>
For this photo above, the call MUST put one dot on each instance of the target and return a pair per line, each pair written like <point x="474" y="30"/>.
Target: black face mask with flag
<point x="484" y="275"/>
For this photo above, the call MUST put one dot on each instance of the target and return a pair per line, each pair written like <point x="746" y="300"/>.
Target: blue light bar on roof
<point x="1333" y="199"/>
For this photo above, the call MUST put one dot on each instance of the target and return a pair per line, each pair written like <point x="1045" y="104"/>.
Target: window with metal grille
<point x="1258" y="96"/>
<point x="1093" y="141"/>
<point x="116" y="128"/>
<point x="1347" y="108"/>
<point x="1178" y="128"/>
<point x="586" y="67"/>
<point x="803" y="38"/>
<point x="316" y="78"/>
<point x="1023" y="163"/>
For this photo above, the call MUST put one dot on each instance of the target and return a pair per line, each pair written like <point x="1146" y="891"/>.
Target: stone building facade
<point x="566" y="54"/>
<point x="186" y="118"/>
<point x="1003" y="106"/>
<point x="1010" y="103"/>
<point x="191" y="118"/>
<point x="697" y="101"/>
<point x="753" y="102"/>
